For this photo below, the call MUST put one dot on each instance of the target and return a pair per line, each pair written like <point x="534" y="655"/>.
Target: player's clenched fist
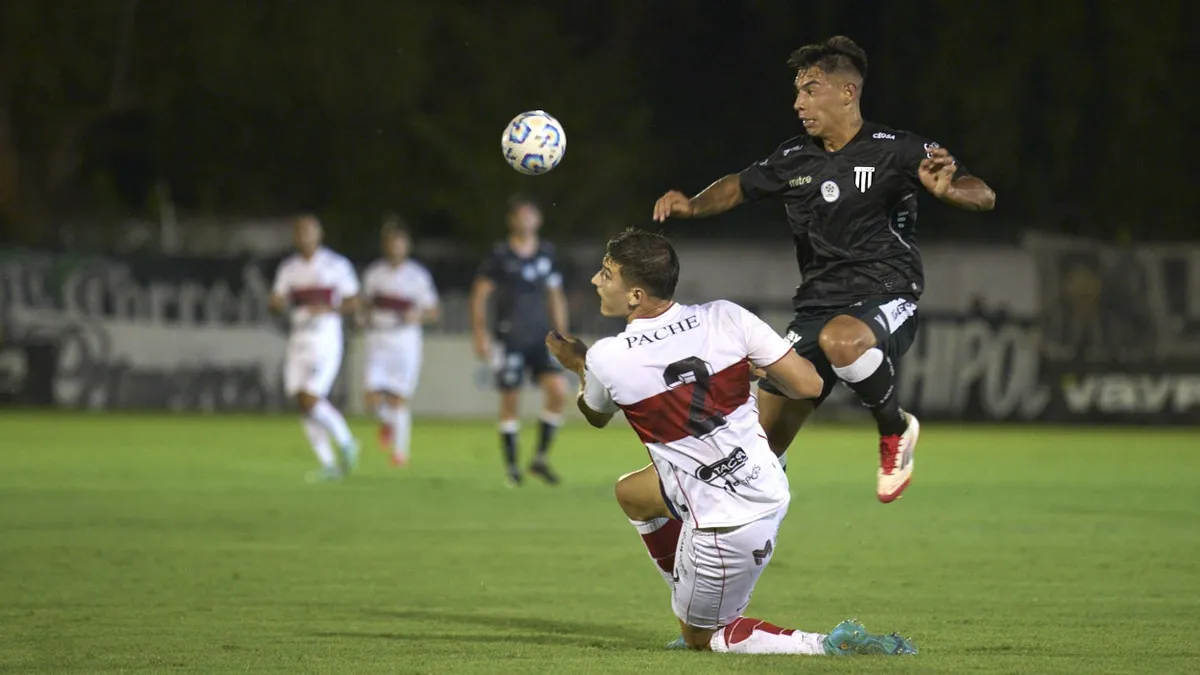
<point x="937" y="171"/>
<point x="674" y="204"/>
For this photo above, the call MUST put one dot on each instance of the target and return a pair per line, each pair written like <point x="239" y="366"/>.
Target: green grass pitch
<point x="192" y="545"/>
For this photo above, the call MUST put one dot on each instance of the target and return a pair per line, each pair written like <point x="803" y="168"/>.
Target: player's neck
<point x="843" y="133"/>
<point x="650" y="311"/>
<point x="396" y="262"/>
<point x="308" y="255"/>
<point x="523" y="243"/>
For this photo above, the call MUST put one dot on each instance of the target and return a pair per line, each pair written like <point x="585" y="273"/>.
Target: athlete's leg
<point x="864" y="351"/>
<point x="717" y="571"/>
<point x="640" y="495"/>
<point x="400" y="421"/>
<point x="553" y="384"/>
<point x="510" y="374"/>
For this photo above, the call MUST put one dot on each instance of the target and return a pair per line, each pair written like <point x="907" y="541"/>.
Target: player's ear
<point x="636" y="297"/>
<point x="849" y="89"/>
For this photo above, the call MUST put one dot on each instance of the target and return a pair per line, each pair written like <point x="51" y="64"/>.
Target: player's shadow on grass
<point x="540" y="630"/>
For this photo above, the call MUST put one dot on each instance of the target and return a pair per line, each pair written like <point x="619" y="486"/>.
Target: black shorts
<point x="513" y="361"/>
<point x="894" y="321"/>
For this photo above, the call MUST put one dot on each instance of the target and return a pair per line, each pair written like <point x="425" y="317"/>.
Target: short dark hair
<point x="394" y="226"/>
<point x="518" y="200"/>
<point x="647" y="260"/>
<point x="837" y="54"/>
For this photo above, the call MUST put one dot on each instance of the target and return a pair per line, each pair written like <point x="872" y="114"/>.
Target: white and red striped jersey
<point x="325" y="279"/>
<point x="393" y="290"/>
<point x="682" y="380"/>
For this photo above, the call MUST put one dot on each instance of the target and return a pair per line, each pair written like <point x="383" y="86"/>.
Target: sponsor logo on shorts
<point x="761" y="555"/>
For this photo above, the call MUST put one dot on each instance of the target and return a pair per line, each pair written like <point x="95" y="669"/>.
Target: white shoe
<point x="896" y="461"/>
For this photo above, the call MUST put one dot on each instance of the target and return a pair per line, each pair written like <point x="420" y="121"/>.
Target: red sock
<point x="661" y="544"/>
<point x="661" y="537"/>
<point x="755" y="636"/>
<point x="741" y="629"/>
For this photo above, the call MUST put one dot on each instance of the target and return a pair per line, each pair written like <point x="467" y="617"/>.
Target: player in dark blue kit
<point x="849" y="188"/>
<point x="522" y="276"/>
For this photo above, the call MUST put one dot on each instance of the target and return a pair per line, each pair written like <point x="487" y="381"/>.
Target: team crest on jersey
<point x="862" y="177"/>
<point x="528" y="272"/>
<point x="830" y="191"/>
<point x="543" y="266"/>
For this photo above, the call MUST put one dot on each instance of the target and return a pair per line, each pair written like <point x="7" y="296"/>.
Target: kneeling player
<point x="402" y="297"/>
<point x="680" y="374"/>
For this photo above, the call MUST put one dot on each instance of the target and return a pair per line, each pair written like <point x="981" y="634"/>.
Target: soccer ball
<point x="533" y="142"/>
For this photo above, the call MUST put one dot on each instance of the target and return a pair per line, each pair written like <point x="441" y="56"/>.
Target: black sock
<point x="877" y="392"/>
<point x="508" y="441"/>
<point x="545" y="438"/>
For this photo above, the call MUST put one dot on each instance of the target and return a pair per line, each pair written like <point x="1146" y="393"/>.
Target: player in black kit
<point x="522" y="274"/>
<point x="849" y="188"/>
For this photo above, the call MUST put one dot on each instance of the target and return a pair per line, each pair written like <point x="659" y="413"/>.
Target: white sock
<point x="401" y="420"/>
<point x="319" y="440"/>
<point x="752" y="636"/>
<point x="862" y="367"/>
<point x="645" y="527"/>
<point x="383" y="413"/>
<point x="328" y="416"/>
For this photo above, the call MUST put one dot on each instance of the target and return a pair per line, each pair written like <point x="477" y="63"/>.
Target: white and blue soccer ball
<point x="533" y="142"/>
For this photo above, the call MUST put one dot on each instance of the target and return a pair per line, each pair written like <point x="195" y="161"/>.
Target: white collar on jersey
<point x="666" y="316"/>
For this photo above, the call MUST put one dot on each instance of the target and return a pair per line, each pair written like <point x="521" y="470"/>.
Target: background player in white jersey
<point x="400" y="297"/>
<point x="681" y="376"/>
<point x="316" y="286"/>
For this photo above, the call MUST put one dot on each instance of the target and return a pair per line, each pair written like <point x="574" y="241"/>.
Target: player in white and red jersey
<point x="400" y="297"/>
<point x="681" y="375"/>
<point x="315" y="286"/>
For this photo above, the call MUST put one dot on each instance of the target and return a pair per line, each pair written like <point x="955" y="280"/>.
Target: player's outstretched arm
<point x="966" y="192"/>
<point x="795" y="376"/>
<point x="724" y="194"/>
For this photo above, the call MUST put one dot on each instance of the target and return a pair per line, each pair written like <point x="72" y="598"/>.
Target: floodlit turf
<point x="192" y="545"/>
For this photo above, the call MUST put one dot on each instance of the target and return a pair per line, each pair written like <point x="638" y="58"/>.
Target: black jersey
<point x="852" y="212"/>
<point x="521" y="314"/>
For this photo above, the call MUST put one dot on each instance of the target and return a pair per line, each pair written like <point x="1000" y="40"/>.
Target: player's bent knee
<point x="555" y="385"/>
<point x="639" y="495"/>
<point x="844" y="339"/>
<point x="306" y="402"/>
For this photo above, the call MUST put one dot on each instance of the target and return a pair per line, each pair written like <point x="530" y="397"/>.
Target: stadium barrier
<point x="1118" y="341"/>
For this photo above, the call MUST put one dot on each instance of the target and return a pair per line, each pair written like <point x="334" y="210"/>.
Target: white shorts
<point x="393" y="363"/>
<point x="312" y="366"/>
<point x="716" y="569"/>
